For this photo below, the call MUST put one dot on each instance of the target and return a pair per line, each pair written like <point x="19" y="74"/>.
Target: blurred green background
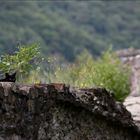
<point x="65" y="28"/>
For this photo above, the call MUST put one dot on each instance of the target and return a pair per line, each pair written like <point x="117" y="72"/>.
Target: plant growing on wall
<point x="22" y="61"/>
<point x="106" y="71"/>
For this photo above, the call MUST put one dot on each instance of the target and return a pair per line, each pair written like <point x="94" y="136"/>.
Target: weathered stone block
<point x="60" y="112"/>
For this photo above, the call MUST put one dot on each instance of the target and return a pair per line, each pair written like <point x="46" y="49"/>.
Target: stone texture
<point x="131" y="57"/>
<point x="60" y="112"/>
<point x="133" y="105"/>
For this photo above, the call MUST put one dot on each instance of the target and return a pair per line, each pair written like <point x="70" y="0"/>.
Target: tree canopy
<point x="68" y="27"/>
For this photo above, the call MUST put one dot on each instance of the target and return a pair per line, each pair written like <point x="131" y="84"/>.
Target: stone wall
<point x="60" y="112"/>
<point x="131" y="57"/>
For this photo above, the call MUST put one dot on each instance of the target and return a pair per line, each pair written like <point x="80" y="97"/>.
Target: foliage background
<point x="67" y="27"/>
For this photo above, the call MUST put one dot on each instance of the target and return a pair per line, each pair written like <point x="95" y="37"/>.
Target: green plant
<point x="107" y="71"/>
<point x="22" y="61"/>
<point x="113" y="75"/>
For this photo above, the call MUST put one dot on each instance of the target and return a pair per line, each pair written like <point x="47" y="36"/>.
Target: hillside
<point x="67" y="27"/>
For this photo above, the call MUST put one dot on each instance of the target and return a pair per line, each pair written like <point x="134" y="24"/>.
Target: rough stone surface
<point x="131" y="57"/>
<point x="60" y="112"/>
<point x="133" y="105"/>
